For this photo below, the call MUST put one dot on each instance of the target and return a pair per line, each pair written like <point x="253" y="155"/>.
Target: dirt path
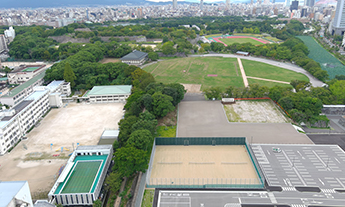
<point x="245" y="81"/>
<point x="264" y="79"/>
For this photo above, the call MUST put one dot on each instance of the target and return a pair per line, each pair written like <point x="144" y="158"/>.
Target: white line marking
<point x="340" y="182"/>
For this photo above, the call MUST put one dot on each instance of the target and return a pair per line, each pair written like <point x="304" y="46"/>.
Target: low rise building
<point x="22" y="91"/>
<point x="15" y="193"/>
<point x="109" y="94"/>
<point x="135" y="58"/>
<point x="75" y="186"/>
<point x="24" y="73"/>
<point x="16" y="121"/>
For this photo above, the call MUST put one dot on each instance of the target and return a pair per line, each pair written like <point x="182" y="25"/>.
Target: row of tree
<point x="148" y="102"/>
<point x="303" y="105"/>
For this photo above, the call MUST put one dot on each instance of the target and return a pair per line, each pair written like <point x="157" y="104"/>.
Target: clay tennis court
<point x="185" y="165"/>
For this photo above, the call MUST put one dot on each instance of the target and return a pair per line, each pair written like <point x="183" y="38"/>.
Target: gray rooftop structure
<point x="135" y="55"/>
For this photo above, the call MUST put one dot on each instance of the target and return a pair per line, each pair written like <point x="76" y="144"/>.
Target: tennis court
<point x="29" y="69"/>
<point x="82" y="177"/>
<point x="84" y="173"/>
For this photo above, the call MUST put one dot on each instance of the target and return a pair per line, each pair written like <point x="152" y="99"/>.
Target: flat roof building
<point x="109" y="94"/>
<point x="24" y="73"/>
<point x="81" y="181"/>
<point x="135" y="58"/>
<point x="16" y="121"/>
<point x="15" y="193"/>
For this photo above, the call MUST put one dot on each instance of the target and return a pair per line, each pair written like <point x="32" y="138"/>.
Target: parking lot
<point x="207" y="119"/>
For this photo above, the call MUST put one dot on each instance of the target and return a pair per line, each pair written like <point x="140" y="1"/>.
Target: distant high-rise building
<point x="10" y="34"/>
<point x="140" y="13"/>
<point x="174" y="4"/>
<point x="228" y="4"/>
<point x="294" y="5"/>
<point x="87" y="14"/>
<point x="3" y="44"/>
<point x="287" y="3"/>
<point x="258" y="1"/>
<point x="251" y="1"/>
<point x="304" y="12"/>
<point x="310" y="3"/>
<point x="273" y="1"/>
<point x="201" y="4"/>
<point x="338" y="26"/>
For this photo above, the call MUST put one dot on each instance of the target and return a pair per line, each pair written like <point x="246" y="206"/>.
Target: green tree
<point x="213" y="92"/>
<point x="125" y="126"/>
<point x="153" y="56"/>
<point x="113" y="181"/>
<point x="338" y="90"/>
<point x="141" y="139"/>
<point x="97" y="203"/>
<point x="69" y="75"/>
<point x="129" y="160"/>
<point x="162" y="104"/>
<point x="168" y="48"/>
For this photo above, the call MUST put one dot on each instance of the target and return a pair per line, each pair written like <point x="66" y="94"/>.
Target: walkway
<point x="264" y="79"/>
<point x="245" y="81"/>
<point x="314" y="82"/>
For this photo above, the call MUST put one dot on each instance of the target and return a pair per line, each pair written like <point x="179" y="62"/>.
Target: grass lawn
<point x="262" y="70"/>
<point x="148" y="198"/>
<point x="195" y="70"/>
<point x="269" y="84"/>
<point x="166" y="131"/>
<point x="229" y="41"/>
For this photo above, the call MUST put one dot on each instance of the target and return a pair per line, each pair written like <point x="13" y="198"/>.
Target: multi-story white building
<point x="17" y="94"/>
<point x="77" y="187"/>
<point x="3" y="44"/>
<point x="10" y="34"/>
<point x="16" y="121"/>
<point x="24" y="73"/>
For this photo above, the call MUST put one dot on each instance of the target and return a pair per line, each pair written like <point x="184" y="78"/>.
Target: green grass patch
<point x="195" y="70"/>
<point x="148" y="198"/>
<point x="327" y="61"/>
<point x="213" y="35"/>
<point x="166" y="131"/>
<point x="269" y="84"/>
<point x="263" y="70"/>
<point x="230" y="41"/>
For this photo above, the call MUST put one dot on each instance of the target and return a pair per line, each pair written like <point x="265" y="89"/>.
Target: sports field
<point x="82" y="177"/>
<point x="219" y="71"/>
<point x="240" y="40"/>
<point x="201" y="165"/>
<point x="208" y="71"/>
<point x="262" y="70"/>
<point x="85" y="171"/>
<point x="29" y="69"/>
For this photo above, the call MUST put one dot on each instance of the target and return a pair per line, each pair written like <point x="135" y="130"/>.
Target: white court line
<point x="340" y="182"/>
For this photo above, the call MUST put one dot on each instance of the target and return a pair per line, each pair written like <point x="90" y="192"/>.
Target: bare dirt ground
<point x="254" y="112"/>
<point x="109" y="60"/>
<point x="184" y="163"/>
<point x="192" y="88"/>
<point x="76" y="123"/>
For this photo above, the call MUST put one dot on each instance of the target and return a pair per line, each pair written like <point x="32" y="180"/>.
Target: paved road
<point x="315" y="82"/>
<point x="207" y="119"/>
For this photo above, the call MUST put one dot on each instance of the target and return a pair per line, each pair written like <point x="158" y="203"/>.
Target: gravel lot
<point x="254" y="112"/>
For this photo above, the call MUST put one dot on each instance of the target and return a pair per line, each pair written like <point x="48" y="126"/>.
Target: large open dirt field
<point x="76" y="123"/>
<point x="254" y="112"/>
<point x="185" y="163"/>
